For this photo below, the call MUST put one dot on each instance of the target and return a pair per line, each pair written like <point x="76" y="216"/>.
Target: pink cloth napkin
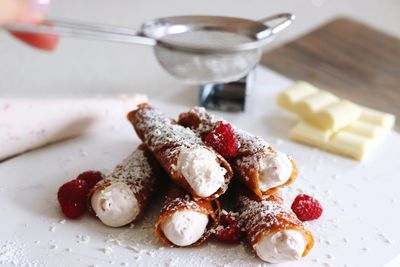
<point x="27" y="124"/>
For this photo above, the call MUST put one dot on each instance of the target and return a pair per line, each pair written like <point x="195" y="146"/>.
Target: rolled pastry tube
<point x="122" y="197"/>
<point x="190" y="164"/>
<point x="262" y="169"/>
<point x="273" y="231"/>
<point x="184" y="221"/>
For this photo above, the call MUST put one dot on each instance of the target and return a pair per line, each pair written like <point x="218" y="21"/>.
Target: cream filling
<point x="276" y="169"/>
<point x="185" y="227"/>
<point x="115" y="205"/>
<point x="201" y="170"/>
<point x="283" y="246"/>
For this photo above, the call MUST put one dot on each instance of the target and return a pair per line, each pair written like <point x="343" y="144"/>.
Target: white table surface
<point x="359" y="225"/>
<point x="80" y="67"/>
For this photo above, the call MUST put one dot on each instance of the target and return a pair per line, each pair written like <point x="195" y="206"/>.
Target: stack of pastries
<point x="197" y="176"/>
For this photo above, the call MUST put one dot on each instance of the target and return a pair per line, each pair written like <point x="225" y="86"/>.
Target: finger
<point x="38" y="8"/>
<point x="28" y="11"/>
<point x="22" y="10"/>
<point x="10" y="10"/>
<point x="40" y="41"/>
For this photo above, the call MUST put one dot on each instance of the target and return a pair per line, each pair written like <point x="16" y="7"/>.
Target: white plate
<point x="359" y="226"/>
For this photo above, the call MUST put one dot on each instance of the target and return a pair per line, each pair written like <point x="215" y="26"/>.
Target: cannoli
<point x="262" y="169"/>
<point x="274" y="232"/>
<point x="123" y="195"/>
<point x="190" y="164"/>
<point x="184" y="221"/>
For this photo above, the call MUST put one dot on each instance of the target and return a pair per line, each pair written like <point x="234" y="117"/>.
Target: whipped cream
<point x="286" y="245"/>
<point x="185" y="227"/>
<point x="276" y="169"/>
<point x="201" y="170"/>
<point x="115" y="205"/>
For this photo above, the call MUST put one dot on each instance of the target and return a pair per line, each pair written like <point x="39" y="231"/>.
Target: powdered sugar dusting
<point x="249" y="143"/>
<point x="13" y="254"/>
<point x="253" y="153"/>
<point x="260" y="216"/>
<point x="163" y="135"/>
<point x="167" y="140"/>
<point x="177" y="203"/>
<point x="159" y="130"/>
<point x="135" y="171"/>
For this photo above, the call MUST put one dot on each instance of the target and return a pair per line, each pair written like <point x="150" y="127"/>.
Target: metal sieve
<point x="197" y="49"/>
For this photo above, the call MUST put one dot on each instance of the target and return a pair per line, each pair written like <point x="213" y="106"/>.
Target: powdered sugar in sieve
<point x="207" y="67"/>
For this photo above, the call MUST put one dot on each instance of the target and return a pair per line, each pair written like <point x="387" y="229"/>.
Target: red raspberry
<point x="223" y="140"/>
<point x="228" y="229"/>
<point x="306" y="208"/>
<point x="90" y="177"/>
<point x="72" y="197"/>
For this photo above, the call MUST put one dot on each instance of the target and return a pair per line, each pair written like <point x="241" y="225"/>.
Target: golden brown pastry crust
<point x="246" y="163"/>
<point x="177" y="200"/>
<point x="141" y="172"/>
<point x="164" y="138"/>
<point x="261" y="218"/>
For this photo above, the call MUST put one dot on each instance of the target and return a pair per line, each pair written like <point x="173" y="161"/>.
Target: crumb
<point x="107" y="250"/>
<point x="83" y="238"/>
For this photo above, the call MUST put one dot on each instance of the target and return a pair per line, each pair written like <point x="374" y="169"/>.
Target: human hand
<point x="27" y="11"/>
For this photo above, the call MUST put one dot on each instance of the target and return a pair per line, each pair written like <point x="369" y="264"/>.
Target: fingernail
<point x="39" y="7"/>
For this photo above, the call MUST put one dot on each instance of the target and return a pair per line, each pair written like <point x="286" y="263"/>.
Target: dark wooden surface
<point x="348" y="58"/>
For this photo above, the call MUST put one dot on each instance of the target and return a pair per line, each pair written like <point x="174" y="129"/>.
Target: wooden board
<point x="347" y="58"/>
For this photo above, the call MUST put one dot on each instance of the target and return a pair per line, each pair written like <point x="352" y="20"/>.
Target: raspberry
<point x="223" y="140"/>
<point x="306" y="208"/>
<point x="90" y="177"/>
<point x="72" y="197"/>
<point x="228" y="229"/>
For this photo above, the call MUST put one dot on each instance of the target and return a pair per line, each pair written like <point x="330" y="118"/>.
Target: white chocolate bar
<point x="307" y="133"/>
<point x="336" y="125"/>
<point x="385" y="120"/>
<point x="345" y="142"/>
<point x="337" y="115"/>
<point x="313" y="103"/>
<point x="294" y="94"/>
<point x="351" y="144"/>
<point x="366" y="129"/>
<point x="319" y="107"/>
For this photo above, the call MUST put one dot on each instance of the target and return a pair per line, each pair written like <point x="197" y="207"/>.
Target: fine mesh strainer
<point x="197" y="49"/>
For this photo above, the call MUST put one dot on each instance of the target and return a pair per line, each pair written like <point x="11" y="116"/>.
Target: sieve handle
<point x="91" y="31"/>
<point x="285" y="20"/>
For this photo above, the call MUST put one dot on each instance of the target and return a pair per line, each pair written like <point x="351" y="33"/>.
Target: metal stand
<point x="227" y="96"/>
